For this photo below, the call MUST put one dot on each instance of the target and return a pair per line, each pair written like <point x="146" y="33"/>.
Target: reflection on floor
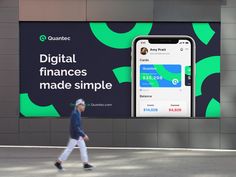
<point x="38" y="162"/>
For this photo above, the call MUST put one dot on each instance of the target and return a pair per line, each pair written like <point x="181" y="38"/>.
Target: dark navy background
<point x="99" y="60"/>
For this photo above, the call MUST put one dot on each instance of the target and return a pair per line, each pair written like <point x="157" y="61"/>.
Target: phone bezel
<point x="163" y="39"/>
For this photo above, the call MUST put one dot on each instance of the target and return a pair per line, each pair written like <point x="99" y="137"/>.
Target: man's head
<point x="80" y="105"/>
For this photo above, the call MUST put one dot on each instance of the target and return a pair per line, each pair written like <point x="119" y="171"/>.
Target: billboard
<point x="63" y="61"/>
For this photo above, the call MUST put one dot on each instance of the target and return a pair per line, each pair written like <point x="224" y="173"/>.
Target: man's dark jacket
<point x="76" y="125"/>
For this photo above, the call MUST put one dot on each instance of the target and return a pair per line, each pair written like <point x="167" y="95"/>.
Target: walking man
<point x="77" y="137"/>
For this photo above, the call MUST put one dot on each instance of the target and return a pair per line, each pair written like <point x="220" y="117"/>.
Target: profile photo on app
<point x="144" y="51"/>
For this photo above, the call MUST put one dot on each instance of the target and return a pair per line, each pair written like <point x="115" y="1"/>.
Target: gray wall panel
<point x="187" y="10"/>
<point x="12" y="79"/>
<point x="119" y="10"/>
<point x="228" y="141"/>
<point x="119" y="139"/>
<point x="59" y="125"/>
<point x="228" y="15"/>
<point x="8" y="125"/>
<point x="9" y="138"/>
<point x="141" y="139"/>
<point x="9" y="30"/>
<point x="228" y="78"/>
<point x="34" y="139"/>
<point x="228" y="31"/>
<point x="9" y="93"/>
<point x="142" y="125"/>
<point x="228" y="62"/>
<point x="228" y="109"/>
<point x="59" y="139"/>
<point x="173" y="140"/>
<point x="228" y="46"/>
<point x="9" y="46"/>
<point x="204" y="125"/>
<point x="97" y="125"/>
<point x="9" y="3"/>
<point x="52" y="10"/>
<point x="9" y="62"/>
<point x="34" y="125"/>
<point x="119" y="125"/>
<point x="8" y="14"/>
<point x="228" y="125"/>
<point x="228" y="94"/>
<point x="100" y="139"/>
<point x="9" y="109"/>
<point x="204" y="140"/>
<point x="229" y="3"/>
<point x="173" y="125"/>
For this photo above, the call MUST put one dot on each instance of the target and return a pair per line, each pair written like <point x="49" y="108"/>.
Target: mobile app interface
<point x="163" y="79"/>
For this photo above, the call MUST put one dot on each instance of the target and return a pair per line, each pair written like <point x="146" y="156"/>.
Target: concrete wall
<point x="202" y="133"/>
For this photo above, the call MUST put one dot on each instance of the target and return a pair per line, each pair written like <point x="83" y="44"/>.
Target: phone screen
<point x="163" y="70"/>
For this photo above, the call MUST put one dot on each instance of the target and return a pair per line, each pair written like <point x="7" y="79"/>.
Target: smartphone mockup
<point x="163" y="76"/>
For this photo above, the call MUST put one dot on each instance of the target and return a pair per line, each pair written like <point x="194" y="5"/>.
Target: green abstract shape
<point x="203" y="31"/>
<point x="118" y="40"/>
<point x="213" y="109"/>
<point x="152" y="82"/>
<point x="123" y="74"/>
<point x="205" y="68"/>
<point x="29" y="109"/>
<point x="161" y="70"/>
<point x="188" y="70"/>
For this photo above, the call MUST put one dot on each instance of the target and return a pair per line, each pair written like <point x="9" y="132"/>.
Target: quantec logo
<point x="43" y="38"/>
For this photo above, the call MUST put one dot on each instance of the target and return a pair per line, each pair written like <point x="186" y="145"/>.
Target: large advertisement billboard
<point x="63" y="61"/>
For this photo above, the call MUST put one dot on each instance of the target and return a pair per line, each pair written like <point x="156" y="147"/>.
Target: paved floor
<point x="38" y="162"/>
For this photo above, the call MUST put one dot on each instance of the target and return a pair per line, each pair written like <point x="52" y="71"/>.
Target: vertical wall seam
<point x="86" y="10"/>
<point x="157" y="133"/>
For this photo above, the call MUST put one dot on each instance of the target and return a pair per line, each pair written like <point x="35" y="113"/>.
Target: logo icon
<point x="42" y="38"/>
<point x="175" y="81"/>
